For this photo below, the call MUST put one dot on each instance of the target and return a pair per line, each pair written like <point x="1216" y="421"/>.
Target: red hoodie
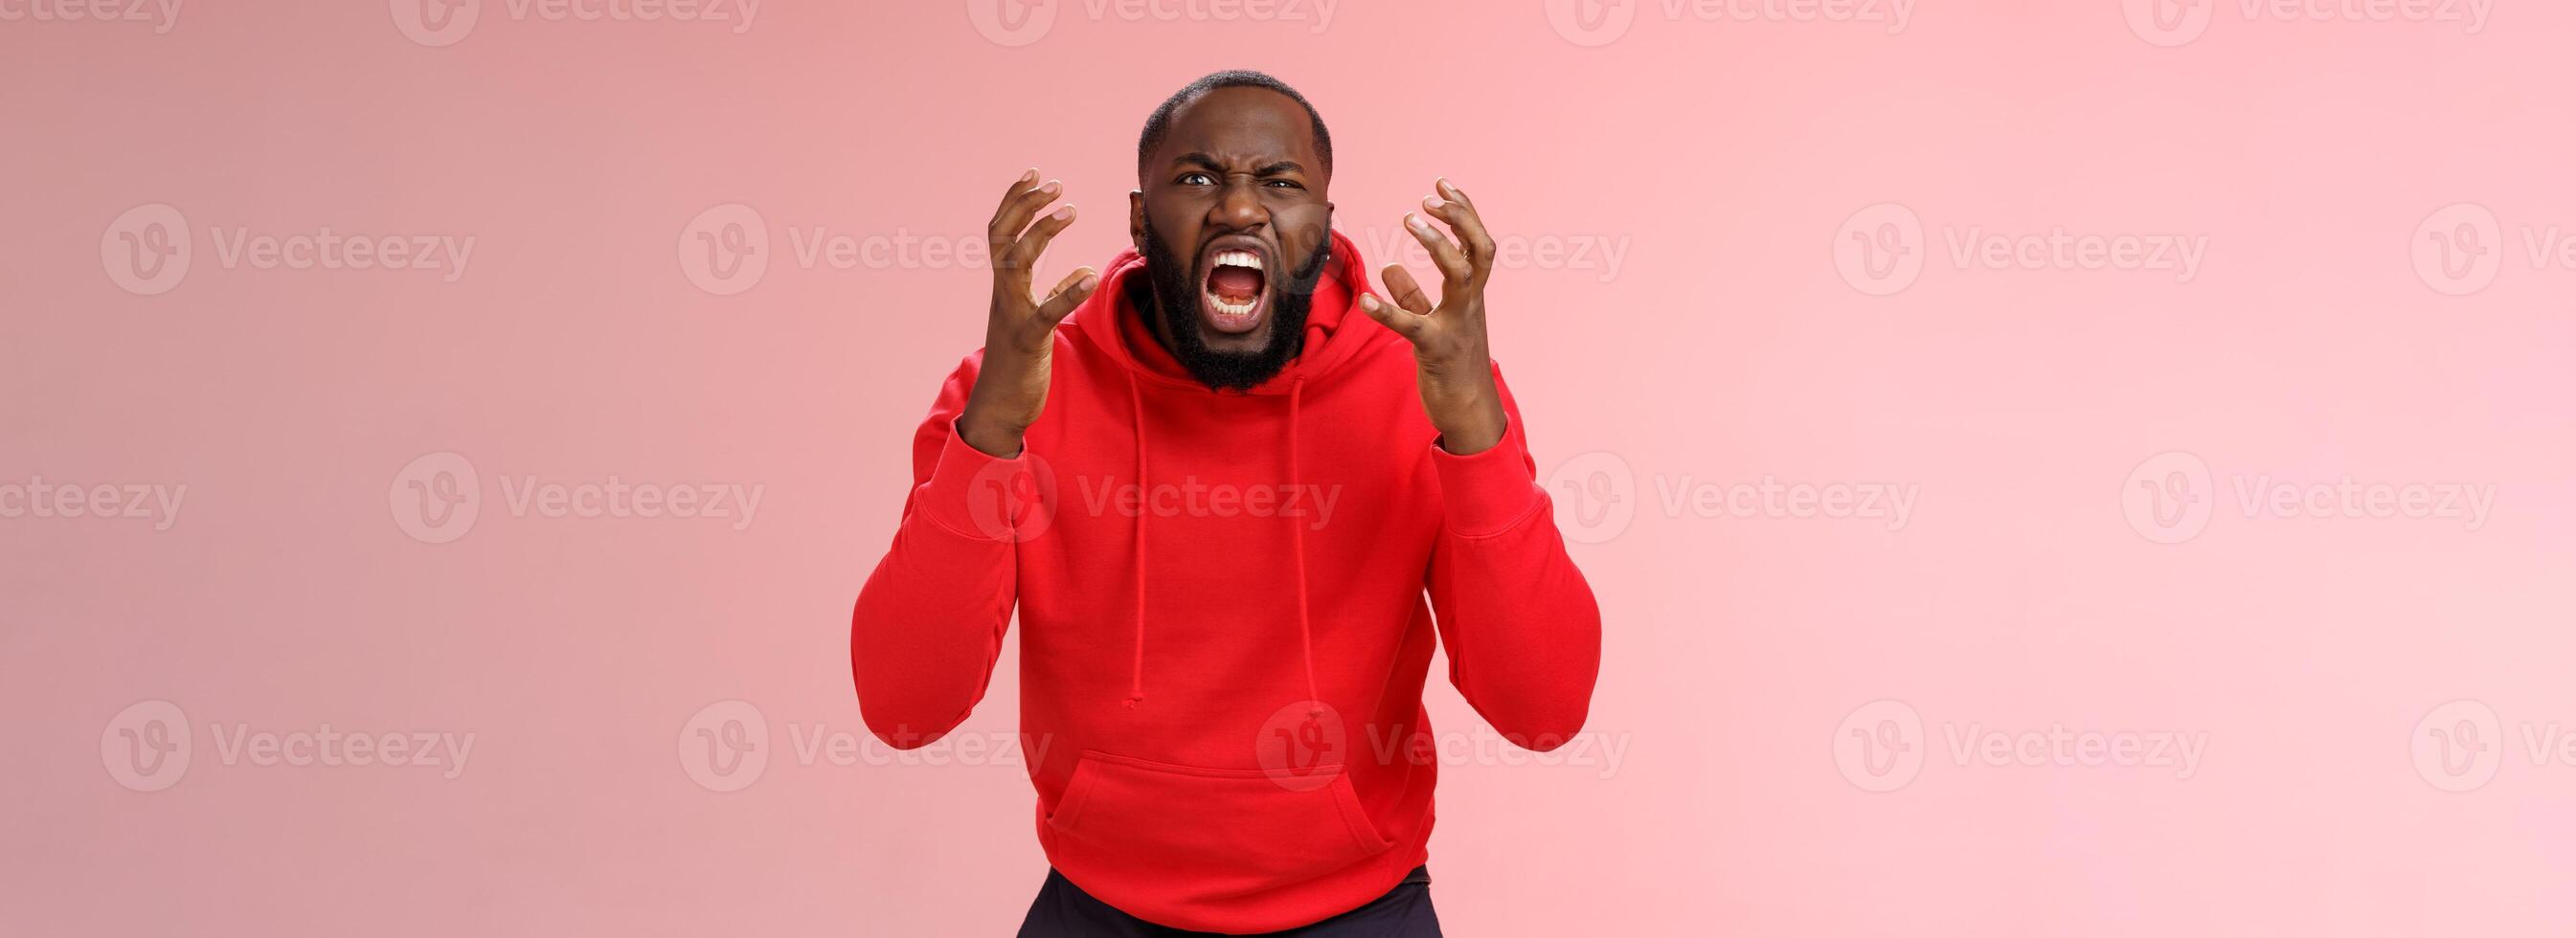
<point x="1221" y="597"/>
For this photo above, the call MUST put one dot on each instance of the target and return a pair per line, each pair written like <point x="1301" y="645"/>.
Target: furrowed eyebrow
<point x="1210" y="163"/>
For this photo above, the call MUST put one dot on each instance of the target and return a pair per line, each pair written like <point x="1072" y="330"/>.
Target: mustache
<point x="1300" y="279"/>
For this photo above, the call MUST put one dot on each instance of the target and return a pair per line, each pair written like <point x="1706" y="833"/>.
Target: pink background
<point x="2028" y="588"/>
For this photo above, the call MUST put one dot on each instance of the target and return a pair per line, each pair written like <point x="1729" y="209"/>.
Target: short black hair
<point x="1159" y="124"/>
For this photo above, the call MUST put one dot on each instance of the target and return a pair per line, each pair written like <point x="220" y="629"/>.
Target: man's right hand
<point x="1019" y="338"/>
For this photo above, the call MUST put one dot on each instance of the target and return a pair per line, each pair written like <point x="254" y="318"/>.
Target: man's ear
<point x="1136" y="218"/>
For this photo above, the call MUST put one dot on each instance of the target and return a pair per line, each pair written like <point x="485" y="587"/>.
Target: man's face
<point x="1233" y="219"/>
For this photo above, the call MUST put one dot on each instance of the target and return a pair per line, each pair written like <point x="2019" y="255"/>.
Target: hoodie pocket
<point x="1252" y="823"/>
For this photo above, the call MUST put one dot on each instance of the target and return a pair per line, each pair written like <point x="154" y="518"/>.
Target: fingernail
<point x="1051" y="186"/>
<point x="1367" y="301"/>
<point x="1414" y="221"/>
<point x="1029" y="176"/>
<point x="1089" y="279"/>
<point x="1450" y="187"/>
<point x="1064" y="214"/>
<point x="1432" y="202"/>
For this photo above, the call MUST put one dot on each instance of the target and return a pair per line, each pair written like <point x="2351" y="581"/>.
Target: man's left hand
<point x="1455" y="369"/>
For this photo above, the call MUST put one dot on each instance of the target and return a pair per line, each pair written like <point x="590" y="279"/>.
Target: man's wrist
<point x="999" y="442"/>
<point x="1481" y="428"/>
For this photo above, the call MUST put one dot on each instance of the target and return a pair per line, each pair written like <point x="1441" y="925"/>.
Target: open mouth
<point x="1236" y="290"/>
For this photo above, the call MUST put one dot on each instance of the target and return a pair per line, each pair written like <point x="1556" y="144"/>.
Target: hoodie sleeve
<point x="929" y="622"/>
<point x="1519" y="623"/>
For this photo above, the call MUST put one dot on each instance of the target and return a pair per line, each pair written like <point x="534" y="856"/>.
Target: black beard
<point x="1175" y="285"/>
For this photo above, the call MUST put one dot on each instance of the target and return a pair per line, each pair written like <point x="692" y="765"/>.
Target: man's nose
<point x="1239" y="207"/>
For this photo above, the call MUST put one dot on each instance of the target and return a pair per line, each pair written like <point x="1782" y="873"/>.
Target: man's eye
<point x="1196" y="179"/>
<point x="1286" y="183"/>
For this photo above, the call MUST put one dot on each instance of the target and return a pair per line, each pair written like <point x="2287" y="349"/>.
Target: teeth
<point x="1234" y="259"/>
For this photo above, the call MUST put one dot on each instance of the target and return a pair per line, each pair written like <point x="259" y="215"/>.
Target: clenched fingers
<point x="1017" y="207"/>
<point x="1445" y="255"/>
<point x="1412" y="326"/>
<point x="1024" y="254"/>
<point x="1068" y="294"/>
<point x="1406" y="293"/>
<point x="1451" y="206"/>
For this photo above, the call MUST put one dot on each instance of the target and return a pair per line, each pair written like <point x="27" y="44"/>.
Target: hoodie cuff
<point x="1489" y="492"/>
<point x="950" y="496"/>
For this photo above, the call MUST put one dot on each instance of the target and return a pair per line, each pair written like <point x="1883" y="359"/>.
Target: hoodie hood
<point x="1336" y="330"/>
